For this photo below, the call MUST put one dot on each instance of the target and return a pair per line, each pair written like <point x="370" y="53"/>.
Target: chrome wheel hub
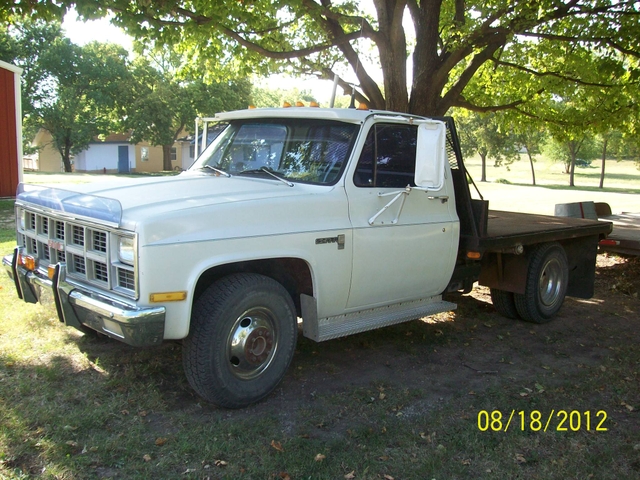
<point x="551" y="283"/>
<point x="252" y="343"/>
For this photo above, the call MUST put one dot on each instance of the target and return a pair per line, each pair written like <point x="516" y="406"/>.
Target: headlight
<point x="22" y="218"/>
<point x="126" y="252"/>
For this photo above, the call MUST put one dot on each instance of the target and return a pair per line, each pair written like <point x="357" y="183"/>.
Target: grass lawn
<point x="621" y="175"/>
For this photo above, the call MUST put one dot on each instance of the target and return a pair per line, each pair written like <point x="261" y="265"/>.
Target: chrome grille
<point x="89" y="251"/>
<point x="100" y="241"/>
<point x="59" y="232"/>
<point x="79" y="265"/>
<point x="32" y="245"/>
<point x="78" y="235"/>
<point x="126" y="279"/>
<point x="100" y="271"/>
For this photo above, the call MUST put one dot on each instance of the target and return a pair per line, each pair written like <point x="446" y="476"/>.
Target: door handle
<point x="442" y="198"/>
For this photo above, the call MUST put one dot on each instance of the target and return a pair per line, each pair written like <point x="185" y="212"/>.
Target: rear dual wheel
<point x="504" y="303"/>
<point x="243" y="335"/>
<point x="546" y="284"/>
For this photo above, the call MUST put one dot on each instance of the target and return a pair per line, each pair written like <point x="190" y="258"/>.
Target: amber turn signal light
<point x="27" y="261"/>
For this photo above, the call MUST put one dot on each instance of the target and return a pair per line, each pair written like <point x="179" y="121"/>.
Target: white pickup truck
<point x="344" y="220"/>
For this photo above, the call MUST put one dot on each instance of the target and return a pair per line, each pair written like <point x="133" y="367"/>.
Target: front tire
<point x="546" y="284"/>
<point x="242" y="339"/>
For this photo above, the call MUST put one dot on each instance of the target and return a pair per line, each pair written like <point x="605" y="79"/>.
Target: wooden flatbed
<point x="509" y="229"/>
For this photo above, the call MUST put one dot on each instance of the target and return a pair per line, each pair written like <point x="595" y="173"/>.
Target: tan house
<point x="113" y="154"/>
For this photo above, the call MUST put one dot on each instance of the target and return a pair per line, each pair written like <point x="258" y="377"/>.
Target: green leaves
<point x="164" y="98"/>
<point x="71" y="91"/>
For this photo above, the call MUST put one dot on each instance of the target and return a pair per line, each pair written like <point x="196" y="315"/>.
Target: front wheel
<point x="546" y="284"/>
<point x="243" y="335"/>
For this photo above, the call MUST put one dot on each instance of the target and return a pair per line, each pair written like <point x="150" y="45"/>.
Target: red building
<point x="10" y="129"/>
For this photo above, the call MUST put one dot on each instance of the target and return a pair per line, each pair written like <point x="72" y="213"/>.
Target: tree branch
<point x="551" y="74"/>
<point x="464" y="103"/>
<point x="347" y="88"/>
<point x="337" y="42"/>
<point x="329" y="14"/>
<point x="368" y="85"/>
<point x="478" y="60"/>
<point x="567" y="38"/>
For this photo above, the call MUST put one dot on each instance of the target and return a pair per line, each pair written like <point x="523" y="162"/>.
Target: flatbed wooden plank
<point x="507" y="229"/>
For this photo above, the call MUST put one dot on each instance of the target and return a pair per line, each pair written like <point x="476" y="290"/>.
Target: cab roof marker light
<point x="299" y="104"/>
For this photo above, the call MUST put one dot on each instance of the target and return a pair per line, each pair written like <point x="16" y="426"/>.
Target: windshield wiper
<point x="269" y="172"/>
<point x="217" y="170"/>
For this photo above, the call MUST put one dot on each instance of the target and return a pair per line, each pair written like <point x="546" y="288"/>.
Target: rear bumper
<point x="78" y="306"/>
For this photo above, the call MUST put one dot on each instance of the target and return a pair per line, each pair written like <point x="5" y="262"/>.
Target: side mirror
<point x="430" y="155"/>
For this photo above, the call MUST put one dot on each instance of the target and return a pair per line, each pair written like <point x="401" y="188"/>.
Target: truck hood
<point x="121" y="201"/>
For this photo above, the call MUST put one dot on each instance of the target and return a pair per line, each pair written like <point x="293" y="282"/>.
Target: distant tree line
<point x="79" y="93"/>
<point x="504" y="138"/>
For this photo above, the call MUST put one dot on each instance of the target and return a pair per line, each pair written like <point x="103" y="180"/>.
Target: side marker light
<point x="167" y="297"/>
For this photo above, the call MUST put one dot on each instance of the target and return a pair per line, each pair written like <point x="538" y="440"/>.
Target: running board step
<point x="320" y="329"/>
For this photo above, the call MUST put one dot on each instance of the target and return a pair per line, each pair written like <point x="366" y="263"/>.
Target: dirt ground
<point x="473" y="349"/>
<point x="472" y="352"/>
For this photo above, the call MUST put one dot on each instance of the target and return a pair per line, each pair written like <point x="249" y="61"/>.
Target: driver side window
<point x="388" y="157"/>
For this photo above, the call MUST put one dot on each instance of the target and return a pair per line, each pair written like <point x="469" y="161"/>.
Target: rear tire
<point x="546" y="284"/>
<point x="504" y="303"/>
<point x="242" y="339"/>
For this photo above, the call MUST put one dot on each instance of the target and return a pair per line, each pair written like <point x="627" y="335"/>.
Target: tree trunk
<point x="65" y="152"/>
<point x="572" y="167"/>
<point x="166" y="158"/>
<point x="533" y="172"/>
<point x="483" y="177"/>
<point x="393" y="53"/>
<point x="604" y="158"/>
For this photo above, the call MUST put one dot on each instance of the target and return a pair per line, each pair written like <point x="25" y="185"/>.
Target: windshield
<point x="298" y="150"/>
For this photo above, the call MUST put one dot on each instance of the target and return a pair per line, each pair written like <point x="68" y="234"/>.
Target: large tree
<point x="456" y="45"/>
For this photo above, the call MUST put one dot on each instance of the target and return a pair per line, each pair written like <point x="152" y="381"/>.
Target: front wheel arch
<point x="294" y="274"/>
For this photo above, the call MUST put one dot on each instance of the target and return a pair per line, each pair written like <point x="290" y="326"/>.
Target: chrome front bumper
<point x="78" y="306"/>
